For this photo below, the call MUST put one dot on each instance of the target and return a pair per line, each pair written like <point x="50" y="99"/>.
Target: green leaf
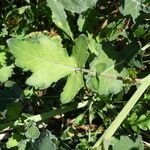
<point x="131" y="7"/>
<point x="73" y="85"/>
<point x="93" y="45"/>
<point x="5" y="73"/>
<point x="44" y="57"/>
<point x="125" y="143"/>
<point x="46" y="141"/>
<point x="107" y="65"/>
<point x="75" y="81"/>
<point x="13" y="111"/>
<point x="22" y="144"/>
<point x="59" y="16"/>
<point x="32" y="132"/>
<point x="80" y="22"/>
<point x="80" y="52"/>
<point x="23" y="9"/>
<point x="78" y="6"/>
<point x="12" y="141"/>
<point x="79" y="119"/>
<point x="2" y="58"/>
<point x="143" y="122"/>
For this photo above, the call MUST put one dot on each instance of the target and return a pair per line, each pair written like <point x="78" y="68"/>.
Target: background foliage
<point x="67" y="68"/>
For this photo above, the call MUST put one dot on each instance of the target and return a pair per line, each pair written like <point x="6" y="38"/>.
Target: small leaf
<point x="59" y="16"/>
<point x="23" y="9"/>
<point x="73" y="85"/>
<point x="75" y="80"/>
<point x="22" y="144"/>
<point x="143" y="122"/>
<point x="93" y="45"/>
<point x="5" y="73"/>
<point x="80" y="22"/>
<point x="78" y="6"/>
<point x="79" y="119"/>
<point x="125" y="143"/>
<point x="32" y="132"/>
<point x="2" y="58"/>
<point x="12" y="141"/>
<point x="44" y="57"/>
<point x="131" y="7"/>
<point x="46" y="141"/>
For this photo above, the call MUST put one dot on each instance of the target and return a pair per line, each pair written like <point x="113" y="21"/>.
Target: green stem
<point x="124" y="112"/>
<point x="145" y="47"/>
<point x="40" y="117"/>
<point x="104" y="74"/>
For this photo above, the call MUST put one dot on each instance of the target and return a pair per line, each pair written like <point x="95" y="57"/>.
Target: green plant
<point x="99" y="48"/>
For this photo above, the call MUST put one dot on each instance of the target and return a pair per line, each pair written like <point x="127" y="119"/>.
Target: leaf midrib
<point x="48" y="61"/>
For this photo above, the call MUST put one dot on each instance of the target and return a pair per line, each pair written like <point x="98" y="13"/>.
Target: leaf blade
<point x="78" y="6"/>
<point x="5" y="73"/>
<point x="75" y="80"/>
<point x="44" y="57"/>
<point x="59" y="16"/>
<point x="73" y="85"/>
<point x="107" y="62"/>
<point x="131" y="7"/>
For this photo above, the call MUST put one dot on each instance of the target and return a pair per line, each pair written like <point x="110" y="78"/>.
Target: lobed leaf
<point x="125" y="143"/>
<point x="75" y="80"/>
<point x="44" y="57"/>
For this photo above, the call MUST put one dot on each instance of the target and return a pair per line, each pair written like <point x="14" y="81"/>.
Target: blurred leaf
<point x="10" y="94"/>
<point x="143" y="122"/>
<point x="131" y="51"/>
<point x="79" y="119"/>
<point x="59" y="16"/>
<point x="22" y="144"/>
<point x="115" y="29"/>
<point x="131" y="7"/>
<point x="23" y="9"/>
<point x="12" y="141"/>
<point x="141" y="30"/>
<point x="5" y="73"/>
<point x="13" y="111"/>
<point x="93" y="45"/>
<point x="2" y="58"/>
<point x="80" y="22"/>
<point x="32" y="132"/>
<point x="46" y="141"/>
<point x="89" y="21"/>
<point x="77" y="6"/>
<point x="125" y="143"/>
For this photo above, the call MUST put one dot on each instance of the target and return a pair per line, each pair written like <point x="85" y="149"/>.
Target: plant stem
<point x="40" y="117"/>
<point x="145" y="47"/>
<point x="103" y="74"/>
<point x="124" y="112"/>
